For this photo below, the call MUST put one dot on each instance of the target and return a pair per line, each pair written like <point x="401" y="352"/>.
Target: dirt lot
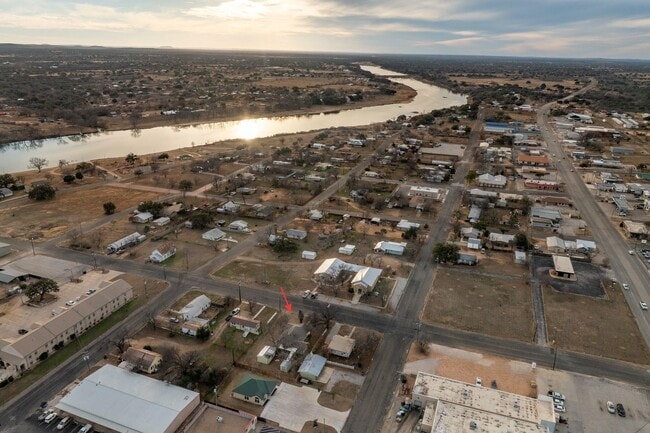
<point x="49" y="219"/>
<point x="599" y="326"/>
<point x="479" y="302"/>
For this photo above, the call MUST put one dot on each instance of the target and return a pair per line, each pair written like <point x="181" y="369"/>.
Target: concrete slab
<point x="291" y="406"/>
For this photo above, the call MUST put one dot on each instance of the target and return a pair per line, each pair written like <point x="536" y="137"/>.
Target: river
<point x="15" y="156"/>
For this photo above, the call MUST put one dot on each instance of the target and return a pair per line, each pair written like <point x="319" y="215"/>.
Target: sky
<point x="540" y="28"/>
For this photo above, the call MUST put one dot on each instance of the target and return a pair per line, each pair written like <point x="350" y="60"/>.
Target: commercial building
<point x="489" y="181"/>
<point x="454" y="406"/>
<point x="117" y="400"/>
<point x="563" y="267"/>
<point x="44" y="338"/>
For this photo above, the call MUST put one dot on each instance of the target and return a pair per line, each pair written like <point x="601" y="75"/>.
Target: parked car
<point x="643" y="305"/>
<point x="228" y="317"/>
<point x="306" y="294"/>
<point x="235" y="311"/>
<point x="22" y="331"/>
<point x="91" y="291"/>
<point x="174" y="320"/>
<point x="626" y="286"/>
<point x="558" y="401"/>
<point x="556" y="395"/>
<point x="479" y="381"/>
<point x="559" y="409"/>
<point x="45" y="414"/>
<point x="64" y="422"/>
<point x="70" y="303"/>
<point x="86" y="429"/>
<point x="620" y="410"/>
<point x="610" y="407"/>
<point x="51" y="417"/>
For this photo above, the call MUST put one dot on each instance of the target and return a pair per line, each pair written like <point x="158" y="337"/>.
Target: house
<point x="162" y="221"/>
<point x="487" y="180"/>
<point x="296" y="234"/>
<point x="474" y="244"/>
<point x="555" y="244"/>
<point x="312" y="367"/>
<point x="245" y="324"/>
<point x="341" y="346"/>
<point x="467" y="259"/>
<point x="501" y="241"/>
<point x="27" y="350"/>
<point x="585" y="246"/>
<point x="142" y="359"/>
<point x="520" y="257"/>
<point x="474" y="214"/>
<point x="309" y="255"/>
<point x="545" y="217"/>
<point x="162" y="253"/>
<point x="365" y="280"/>
<point x="469" y="232"/>
<point x="213" y="235"/>
<point x="244" y="190"/>
<point x="254" y="390"/>
<point x="230" y="207"/>
<point x="635" y="230"/>
<point x="262" y="211"/>
<point x="404" y="225"/>
<point x="192" y="326"/>
<point x="238" y="226"/>
<point x="142" y="217"/>
<point x="347" y="249"/>
<point x="393" y="248"/>
<point x="195" y="307"/>
<point x="266" y="355"/>
<point x="6" y="192"/>
<point x="173" y="210"/>
<point x="315" y="215"/>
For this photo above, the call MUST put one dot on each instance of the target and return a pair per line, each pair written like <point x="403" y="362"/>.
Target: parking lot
<point x="33" y="425"/>
<point x="588" y="277"/>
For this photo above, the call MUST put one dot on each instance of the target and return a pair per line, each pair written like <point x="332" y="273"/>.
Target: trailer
<point x="127" y="241"/>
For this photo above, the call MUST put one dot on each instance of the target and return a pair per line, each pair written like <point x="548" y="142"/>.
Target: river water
<point x="15" y="156"/>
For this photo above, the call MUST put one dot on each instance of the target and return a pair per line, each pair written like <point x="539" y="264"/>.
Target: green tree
<point x="203" y="333"/>
<point x="42" y="192"/>
<point x="521" y="241"/>
<point x="163" y="155"/>
<point x="411" y="233"/>
<point x="185" y="185"/>
<point x="6" y="179"/>
<point x="68" y="178"/>
<point x="109" y="208"/>
<point x="131" y="158"/>
<point x="443" y="253"/>
<point x="201" y="219"/>
<point x="284" y="245"/>
<point x="40" y="288"/>
<point x="152" y="207"/>
<point x="526" y="204"/>
<point x="79" y="175"/>
<point x="471" y="176"/>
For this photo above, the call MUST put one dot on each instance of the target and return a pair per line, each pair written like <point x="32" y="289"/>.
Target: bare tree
<point x="37" y="163"/>
<point x="276" y="328"/>
<point x="122" y="344"/>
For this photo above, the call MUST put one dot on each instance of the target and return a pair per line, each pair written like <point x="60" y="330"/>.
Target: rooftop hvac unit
<point x="219" y="419"/>
<point x="472" y="425"/>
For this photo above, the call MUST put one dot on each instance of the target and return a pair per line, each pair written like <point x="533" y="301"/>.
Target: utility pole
<point x="31" y="239"/>
<point x="239" y="289"/>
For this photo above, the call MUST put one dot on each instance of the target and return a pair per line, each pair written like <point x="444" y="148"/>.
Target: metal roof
<point x="563" y="264"/>
<point x="124" y="401"/>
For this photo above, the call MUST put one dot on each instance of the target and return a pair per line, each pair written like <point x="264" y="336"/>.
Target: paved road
<point x="627" y="268"/>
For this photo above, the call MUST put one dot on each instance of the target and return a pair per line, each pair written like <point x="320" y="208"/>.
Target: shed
<point x="309" y="255"/>
<point x="341" y="346"/>
<point x="162" y="221"/>
<point x="347" y="250"/>
<point x="266" y="355"/>
<point x="315" y="215"/>
<point x="296" y="234"/>
<point x="312" y="366"/>
<point x="520" y="257"/>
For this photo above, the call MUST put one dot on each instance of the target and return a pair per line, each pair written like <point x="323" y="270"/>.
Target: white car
<point x="610" y="407"/>
<point x="559" y="409"/>
<point x="643" y="305"/>
<point x="556" y="395"/>
<point x="626" y="286"/>
<point x="479" y="381"/>
<point x="51" y="417"/>
<point x="235" y="311"/>
<point x="306" y="294"/>
<point x="70" y="303"/>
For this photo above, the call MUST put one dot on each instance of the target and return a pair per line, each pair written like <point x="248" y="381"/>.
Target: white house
<point x="487" y="180"/>
<point x="213" y="235"/>
<point x="162" y="221"/>
<point x="142" y="217"/>
<point x="162" y="253"/>
<point x="238" y="226"/>
<point x="192" y="326"/>
<point x="195" y="307"/>
<point x="230" y="207"/>
<point x="365" y="280"/>
<point x="404" y="225"/>
<point x="348" y="250"/>
<point x="387" y="247"/>
<point x="245" y="324"/>
<point x="315" y="215"/>
<point x="341" y="346"/>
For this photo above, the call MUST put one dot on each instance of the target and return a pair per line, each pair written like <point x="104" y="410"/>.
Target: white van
<point x="86" y="429"/>
<point x="64" y="422"/>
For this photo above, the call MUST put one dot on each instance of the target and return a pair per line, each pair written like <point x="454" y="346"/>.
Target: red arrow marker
<point x="287" y="305"/>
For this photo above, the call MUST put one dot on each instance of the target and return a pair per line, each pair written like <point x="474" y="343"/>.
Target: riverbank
<point x="16" y="128"/>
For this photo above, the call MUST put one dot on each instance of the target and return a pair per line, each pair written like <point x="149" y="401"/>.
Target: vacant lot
<point x="466" y="299"/>
<point x="599" y="326"/>
<point x="49" y="219"/>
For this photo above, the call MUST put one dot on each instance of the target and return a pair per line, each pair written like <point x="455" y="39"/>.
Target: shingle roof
<point x="255" y="387"/>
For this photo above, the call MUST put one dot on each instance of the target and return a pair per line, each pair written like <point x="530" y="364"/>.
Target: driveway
<point x="292" y="406"/>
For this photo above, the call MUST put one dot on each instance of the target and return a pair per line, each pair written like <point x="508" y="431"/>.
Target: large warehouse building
<point x="118" y="400"/>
